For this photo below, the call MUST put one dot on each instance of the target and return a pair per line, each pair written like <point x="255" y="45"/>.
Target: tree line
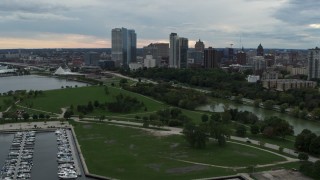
<point x="175" y="96"/>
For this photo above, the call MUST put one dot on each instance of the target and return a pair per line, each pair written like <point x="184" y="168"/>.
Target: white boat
<point x="66" y="175"/>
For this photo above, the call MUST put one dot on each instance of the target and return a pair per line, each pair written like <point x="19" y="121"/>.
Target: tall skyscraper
<point x="124" y="46"/>
<point x="178" y="52"/>
<point x="314" y="63"/>
<point x="210" y="58"/>
<point x="183" y="53"/>
<point x="199" y="46"/>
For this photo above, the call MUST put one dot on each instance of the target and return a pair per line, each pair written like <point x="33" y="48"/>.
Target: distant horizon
<point x="142" y="48"/>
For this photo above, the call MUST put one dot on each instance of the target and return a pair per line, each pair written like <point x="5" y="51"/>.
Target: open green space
<point x="285" y="143"/>
<point x="3" y="105"/>
<point x="54" y="100"/>
<point x="128" y="153"/>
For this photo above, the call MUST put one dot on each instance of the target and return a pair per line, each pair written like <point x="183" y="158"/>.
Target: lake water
<point x="34" y="82"/>
<point x="217" y="105"/>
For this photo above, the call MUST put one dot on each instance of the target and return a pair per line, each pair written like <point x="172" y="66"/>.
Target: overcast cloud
<point x="219" y="23"/>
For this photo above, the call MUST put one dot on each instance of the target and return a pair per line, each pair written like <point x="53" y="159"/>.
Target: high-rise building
<point x="260" y="51"/>
<point x="314" y="63"/>
<point x="91" y="59"/>
<point x="199" y="46"/>
<point x="178" y="52"/>
<point x="174" y="50"/>
<point x="124" y="46"/>
<point x="183" y="53"/>
<point x="210" y="58"/>
<point x="156" y="50"/>
<point x="242" y="57"/>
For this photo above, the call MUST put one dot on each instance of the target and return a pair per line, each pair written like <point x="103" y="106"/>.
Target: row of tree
<point x="121" y="104"/>
<point x="216" y="128"/>
<point x="175" y="96"/>
<point x="226" y="84"/>
<point x="308" y="142"/>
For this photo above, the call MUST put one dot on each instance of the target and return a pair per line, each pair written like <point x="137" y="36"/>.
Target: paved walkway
<point x="177" y="131"/>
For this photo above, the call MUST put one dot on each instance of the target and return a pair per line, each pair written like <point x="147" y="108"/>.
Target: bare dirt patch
<point x="154" y="166"/>
<point x="132" y="146"/>
<point x="183" y="170"/>
<point x="87" y="126"/>
<point x="245" y="154"/>
<point x="174" y="145"/>
<point x="109" y="141"/>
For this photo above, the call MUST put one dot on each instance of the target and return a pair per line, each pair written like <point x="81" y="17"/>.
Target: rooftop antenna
<point x="231" y="45"/>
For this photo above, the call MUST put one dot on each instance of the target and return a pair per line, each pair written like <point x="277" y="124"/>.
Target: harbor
<point x="39" y="155"/>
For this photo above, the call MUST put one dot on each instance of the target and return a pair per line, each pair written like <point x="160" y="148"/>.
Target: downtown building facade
<point x="314" y="63"/>
<point x="210" y="58"/>
<point x="178" y="51"/>
<point x="124" y="46"/>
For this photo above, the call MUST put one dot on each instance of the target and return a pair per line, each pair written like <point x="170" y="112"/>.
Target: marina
<point x="19" y="162"/>
<point x="39" y="155"/>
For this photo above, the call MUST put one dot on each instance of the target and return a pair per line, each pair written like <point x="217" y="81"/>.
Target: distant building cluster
<point x="287" y="84"/>
<point x="278" y="69"/>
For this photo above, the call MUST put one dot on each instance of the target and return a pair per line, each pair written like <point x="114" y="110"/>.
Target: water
<point x="45" y="157"/>
<point x="217" y="105"/>
<point x="34" y="82"/>
<point x="45" y="166"/>
<point x="5" y="143"/>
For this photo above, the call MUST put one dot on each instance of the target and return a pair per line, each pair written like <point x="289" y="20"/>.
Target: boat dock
<point x="19" y="163"/>
<point x="66" y="156"/>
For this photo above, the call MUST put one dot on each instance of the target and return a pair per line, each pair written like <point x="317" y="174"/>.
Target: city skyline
<point x="291" y="24"/>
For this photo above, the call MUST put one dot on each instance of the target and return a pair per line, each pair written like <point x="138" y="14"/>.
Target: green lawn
<point x="285" y="143"/>
<point x="127" y="153"/>
<point x="3" y="106"/>
<point x="53" y="100"/>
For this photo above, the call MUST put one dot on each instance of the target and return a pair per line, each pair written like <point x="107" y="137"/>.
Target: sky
<point x="292" y="24"/>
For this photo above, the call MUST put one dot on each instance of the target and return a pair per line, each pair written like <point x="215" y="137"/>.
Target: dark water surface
<point x="45" y="166"/>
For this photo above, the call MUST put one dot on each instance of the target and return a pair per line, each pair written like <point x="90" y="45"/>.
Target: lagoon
<point x="34" y="82"/>
<point x="217" y="105"/>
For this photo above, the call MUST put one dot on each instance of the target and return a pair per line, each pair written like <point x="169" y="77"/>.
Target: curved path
<point x="177" y="131"/>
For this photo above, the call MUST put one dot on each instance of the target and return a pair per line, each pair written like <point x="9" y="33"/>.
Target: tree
<point x="268" y="104"/>
<point x="316" y="169"/>
<point x="304" y="139"/>
<point x="306" y="168"/>
<point x="102" y="117"/>
<point x="257" y="102"/>
<point x="195" y="135"/>
<point x="254" y="129"/>
<point x="34" y="116"/>
<point x="314" y="147"/>
<point x="283" y="107"/>
<point x="96" y="103"/>
<point x="146" y="121"/>
<point x="303" y="156"/>
<point x="25" y="116"/>
<point x="204" y="117"/>
<point x="41" y="116"/>
<point x="241" y="131"/>
<point x="90" y="106"/>
<point x="275" y="126"/>
<point x="68" y="114"/>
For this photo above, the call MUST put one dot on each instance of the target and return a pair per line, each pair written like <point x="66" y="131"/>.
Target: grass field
<point x="3" y="106"/>
<point x="54" y="100"/>
<point x="127" y="153"/>
<point x="285" y="143"/>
